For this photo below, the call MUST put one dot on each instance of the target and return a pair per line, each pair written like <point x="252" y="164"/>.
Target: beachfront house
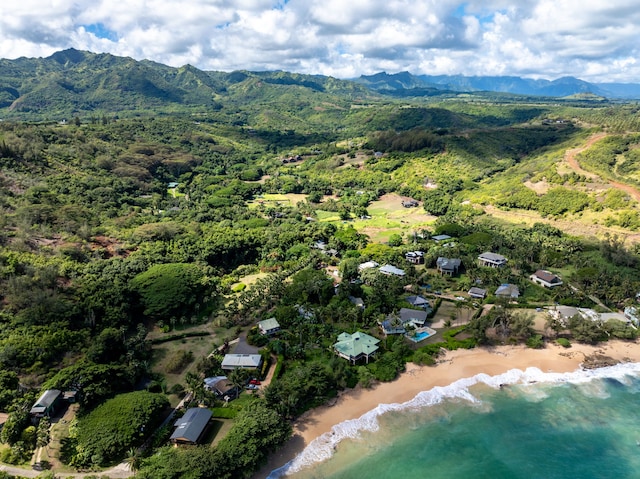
<point x="545" y="279"/>
<point x="356" y="346"/>
<point x="492" y="260"/>
<point x="417" y="318"/>
<point x="392" y="325"/>
<point x="191" y="427"/>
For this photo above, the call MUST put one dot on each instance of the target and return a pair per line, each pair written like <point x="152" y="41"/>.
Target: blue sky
<point x="596" y="40"/>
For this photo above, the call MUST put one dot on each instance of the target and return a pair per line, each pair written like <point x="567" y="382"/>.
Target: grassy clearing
<point x="388" y="217"/>
<point x="274" y="199"/>
<point x="164" y="353"/>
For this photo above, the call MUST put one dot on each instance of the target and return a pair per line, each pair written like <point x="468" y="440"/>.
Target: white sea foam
<point x="323" y="447"/>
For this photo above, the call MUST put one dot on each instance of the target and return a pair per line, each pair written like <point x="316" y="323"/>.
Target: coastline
<point x="455" y="365"/>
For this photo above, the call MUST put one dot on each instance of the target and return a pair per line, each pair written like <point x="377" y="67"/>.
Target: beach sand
<point x="353" y="403"/>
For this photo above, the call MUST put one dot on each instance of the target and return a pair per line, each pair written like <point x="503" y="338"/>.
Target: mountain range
<point x="76" y="83"/>
<point x="562" y="87"/>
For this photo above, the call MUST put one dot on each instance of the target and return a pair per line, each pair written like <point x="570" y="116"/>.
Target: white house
<point x="492" y="260"/>
<point x="269" y="326"/>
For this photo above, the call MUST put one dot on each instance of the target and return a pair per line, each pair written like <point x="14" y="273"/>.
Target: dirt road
<point x="570" y="156"/>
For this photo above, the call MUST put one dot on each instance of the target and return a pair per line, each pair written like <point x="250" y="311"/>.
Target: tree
<point x="13" y="427"/>
<point x="238" y="377"/>
<point x="168" y="290"/>
<point x="43" y="433"/>
<point x="107" y="432"/>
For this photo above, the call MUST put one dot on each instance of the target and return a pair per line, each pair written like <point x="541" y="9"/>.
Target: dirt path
<point x="570" y="156"/>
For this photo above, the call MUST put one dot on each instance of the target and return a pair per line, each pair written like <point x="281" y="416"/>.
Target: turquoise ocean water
<point x="522" y="424"/>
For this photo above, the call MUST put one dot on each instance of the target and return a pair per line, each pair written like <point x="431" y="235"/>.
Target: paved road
<point x="121" y="471"/>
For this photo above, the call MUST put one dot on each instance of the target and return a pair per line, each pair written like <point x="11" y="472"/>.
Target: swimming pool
<point x="421" y="334"/>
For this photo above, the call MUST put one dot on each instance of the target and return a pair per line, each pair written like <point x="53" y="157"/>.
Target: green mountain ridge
<point x="76" y="83"/>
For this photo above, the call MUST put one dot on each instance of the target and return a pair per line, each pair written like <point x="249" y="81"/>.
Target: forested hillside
<point x="174" y="206"/>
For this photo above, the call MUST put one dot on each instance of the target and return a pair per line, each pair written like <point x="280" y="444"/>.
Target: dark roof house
<point x="546" y="279"/>
<point x="191" y="426"/>
<point x="492" y="260"/>
<point x="476" y="292"/>
<point x="47" y="403"/>
<point x="417" y="301"/>
<point x="414" y="316"/>
<point x="448" y="266"/>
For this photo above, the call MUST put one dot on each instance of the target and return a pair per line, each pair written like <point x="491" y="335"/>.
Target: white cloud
<point x="590" y="39"/>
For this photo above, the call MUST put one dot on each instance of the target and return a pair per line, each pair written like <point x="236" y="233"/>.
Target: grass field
<point x="200" y="346"/>
<point x="273" y="199"/>
<point x="388" y="217"/>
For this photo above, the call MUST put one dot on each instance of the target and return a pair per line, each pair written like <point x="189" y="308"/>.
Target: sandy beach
<point x="455" y="365"/>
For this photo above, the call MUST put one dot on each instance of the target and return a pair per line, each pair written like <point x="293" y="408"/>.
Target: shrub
<point x="535" y="342"/>
<point x="564" y="342"/>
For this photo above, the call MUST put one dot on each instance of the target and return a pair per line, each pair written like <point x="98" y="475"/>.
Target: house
<point x="440" y="238"/>
<point x="367" y="265"/>
<point x="478" y="293"/>
<point x="241" y="361"/>
<point x="410" y="203"/>
<point x="392" y="325"/>
<point x="357" y="302"/>
<point x="418" y="301"/>
<point x="269" y="326"/>
<point x="448" y="266"/>
<point x="356" y="346"/>
<point x="415" y="257"/>
<point x="417" y="318"/>
<point x="492" y="260"/>
<point x="220" y="386"/>
<point x="510" y="291"/>
<point x="391" y="270"/>
<point x="545" y="278"/>
<point x="632" y="314"/>
<point x="47" y="404"/>
<point x="172" y="184"/>
<point x="191" y="427"/>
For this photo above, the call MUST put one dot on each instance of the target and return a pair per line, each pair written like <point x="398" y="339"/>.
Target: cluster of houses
<point x="631" y="315"/>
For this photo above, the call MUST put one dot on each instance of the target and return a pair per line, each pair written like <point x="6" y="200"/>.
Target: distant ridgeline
<point x="74" y="83"/>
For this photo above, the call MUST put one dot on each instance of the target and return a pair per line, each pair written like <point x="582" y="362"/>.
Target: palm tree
<point x="133" y="459"/>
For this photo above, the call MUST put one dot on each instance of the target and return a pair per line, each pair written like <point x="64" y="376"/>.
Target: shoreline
<point x="455" y="365"/>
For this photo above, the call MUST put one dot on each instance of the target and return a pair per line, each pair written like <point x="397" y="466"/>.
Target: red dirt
<point x="570" y="156"/>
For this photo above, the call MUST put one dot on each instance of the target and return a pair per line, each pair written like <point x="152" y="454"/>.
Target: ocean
<point x="521" y="424"/>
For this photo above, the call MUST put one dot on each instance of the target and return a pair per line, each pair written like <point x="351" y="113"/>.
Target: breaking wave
<point x="322" y="448"/>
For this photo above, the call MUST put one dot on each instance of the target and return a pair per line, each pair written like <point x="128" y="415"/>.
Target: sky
<point x="595" y="40"/>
